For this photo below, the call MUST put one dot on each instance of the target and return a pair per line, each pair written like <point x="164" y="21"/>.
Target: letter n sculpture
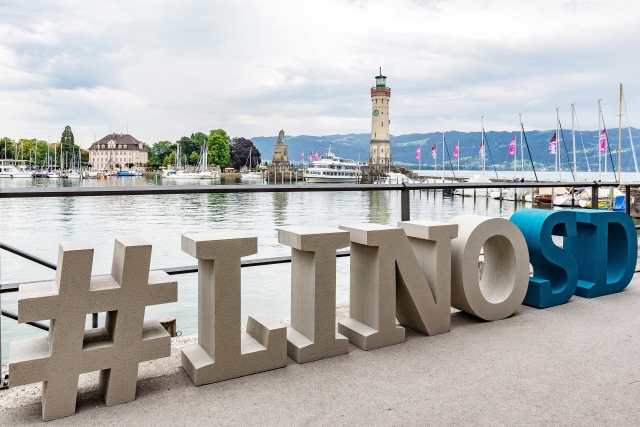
<point x="115" y="349"/>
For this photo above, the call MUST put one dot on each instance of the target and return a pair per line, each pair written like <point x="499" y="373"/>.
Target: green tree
<point x="187" y="145"/>
<point x="193" y="158"/>
<point x="199" y="138"/>
<point x="66" y="140"/>
<point x="6" y="147"/>
<point x="159" y="152"/>
<point x="170" y="159"/>
<point x="218" y="144"/>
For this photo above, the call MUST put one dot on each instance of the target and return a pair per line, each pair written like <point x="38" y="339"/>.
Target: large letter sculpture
<point x="116" y="349"/>
<point x="506" y="267"/>
<point x="555" y="271"/>
<point x="223" y="352"/>
<point x="387" y="280"/>
<point x="606" y="249"/>
<point x="312" y="335"/>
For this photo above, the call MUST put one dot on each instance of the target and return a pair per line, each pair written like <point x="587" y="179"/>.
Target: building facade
<point x="380" y="150"/>
<point x="117" y="149"/>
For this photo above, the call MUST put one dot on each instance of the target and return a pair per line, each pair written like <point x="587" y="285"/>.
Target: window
<point x="381" y="123"/>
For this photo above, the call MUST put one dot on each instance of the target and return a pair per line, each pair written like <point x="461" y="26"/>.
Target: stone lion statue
<point x="281" y="137"/>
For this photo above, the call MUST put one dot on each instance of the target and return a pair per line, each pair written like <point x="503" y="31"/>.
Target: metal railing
<point x="405" y="206"/>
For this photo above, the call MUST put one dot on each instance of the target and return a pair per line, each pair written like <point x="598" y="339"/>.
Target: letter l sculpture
<point x="223" y="352"/>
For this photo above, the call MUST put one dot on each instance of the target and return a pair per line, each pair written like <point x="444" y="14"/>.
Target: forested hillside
<point x="403" y="147"/>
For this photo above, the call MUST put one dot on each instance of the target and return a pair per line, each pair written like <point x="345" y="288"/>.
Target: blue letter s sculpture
<point x="555" y="271"/>
<point x="606" y="250"/>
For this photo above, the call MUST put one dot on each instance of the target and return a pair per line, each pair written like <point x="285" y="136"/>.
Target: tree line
<point x="222" y="150"/>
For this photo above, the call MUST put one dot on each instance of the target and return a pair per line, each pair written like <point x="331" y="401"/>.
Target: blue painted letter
<point x="606" y="249"/>
<point x="555" y="271"/>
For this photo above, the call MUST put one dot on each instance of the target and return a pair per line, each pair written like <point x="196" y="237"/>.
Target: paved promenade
<point x="576" y="364"/>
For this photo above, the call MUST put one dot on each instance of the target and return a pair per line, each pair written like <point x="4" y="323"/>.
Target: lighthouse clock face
<point x="375" y="113"/>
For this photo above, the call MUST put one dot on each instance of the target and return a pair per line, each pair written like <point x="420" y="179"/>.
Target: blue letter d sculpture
<point x="606" y="249"/>
<point x="555" y="271"/>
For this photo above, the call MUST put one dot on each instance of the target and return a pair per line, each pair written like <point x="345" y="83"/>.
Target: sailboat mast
<point x="633" y="150"/>
<point x="573" y="132"/>
<point x="482" y="142"/>
<point x="605" y="149"/>
<point x="620" y="136"/>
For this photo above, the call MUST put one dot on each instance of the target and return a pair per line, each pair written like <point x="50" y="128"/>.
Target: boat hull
<point x="328" y="180"/>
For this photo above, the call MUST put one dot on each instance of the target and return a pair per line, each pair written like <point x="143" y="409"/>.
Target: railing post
<point x="594" y="196"/>
<point x="627" y="199"/>
<point x="405" y="213"/>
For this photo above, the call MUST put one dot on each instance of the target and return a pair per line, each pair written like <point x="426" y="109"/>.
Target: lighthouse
<point x="380" y="151"/>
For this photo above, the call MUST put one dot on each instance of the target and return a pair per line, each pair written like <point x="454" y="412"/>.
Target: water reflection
<point x="38" y="225"/>
<point x="280" y="201"/>
<point x="378" y="207"/>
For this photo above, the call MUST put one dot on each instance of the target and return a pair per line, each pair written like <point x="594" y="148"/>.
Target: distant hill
<point x="403" y="147"/>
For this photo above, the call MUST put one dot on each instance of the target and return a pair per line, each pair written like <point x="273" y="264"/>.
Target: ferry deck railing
<point x="405" y="207"/>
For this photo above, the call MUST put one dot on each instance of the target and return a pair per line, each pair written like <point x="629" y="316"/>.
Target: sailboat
<point x="181" y="173"/>
<point x="249" y="175"/>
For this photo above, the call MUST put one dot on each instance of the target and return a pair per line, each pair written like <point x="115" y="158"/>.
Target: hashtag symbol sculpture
<point x="115" y="349"/>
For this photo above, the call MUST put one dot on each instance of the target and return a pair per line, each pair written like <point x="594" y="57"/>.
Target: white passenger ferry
<point x="332" y="169"/>
<point x="14" y="169"/>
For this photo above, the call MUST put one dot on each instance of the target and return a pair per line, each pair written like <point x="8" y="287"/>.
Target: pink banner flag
<point x="455" y="150"/>
<point x="418" y="153"/>
<point x="433" y="151"/>
<point x="481" y="150"/>
<point x="317" y="156"/>
<point x="302" y="157"/>
<point x="310" y="156"/>
<point x="552" y="145"/>
<point x="512" y="146"/>
<point x="603" y="141"/>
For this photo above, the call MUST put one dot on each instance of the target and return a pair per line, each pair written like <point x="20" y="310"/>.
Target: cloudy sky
<point x="171" y="68"/>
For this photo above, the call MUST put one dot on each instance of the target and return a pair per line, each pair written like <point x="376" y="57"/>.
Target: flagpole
<point x="521" y="144"/>
<point x="443" y="157"/>
<point x="557" y="135"/>
<point x="458" y="156"/>
<point x="420" y="159"/>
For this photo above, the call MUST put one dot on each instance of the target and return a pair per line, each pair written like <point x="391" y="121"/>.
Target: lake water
<point x="38" y="225"/>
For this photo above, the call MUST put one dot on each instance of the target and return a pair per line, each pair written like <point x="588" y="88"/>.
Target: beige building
<point x="380" y="150"/>
<point x="120" y="149"/>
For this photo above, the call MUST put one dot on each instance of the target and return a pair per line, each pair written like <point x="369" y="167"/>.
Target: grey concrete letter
<point x="388" y="281"/>
<point x="223" y="352"/>
<point x="312" y="335"/>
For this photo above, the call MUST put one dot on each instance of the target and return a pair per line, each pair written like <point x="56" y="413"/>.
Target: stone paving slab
<point x="575" y="364"/>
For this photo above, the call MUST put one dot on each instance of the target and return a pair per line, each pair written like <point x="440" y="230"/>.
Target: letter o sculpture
<point x="505" y="275"/>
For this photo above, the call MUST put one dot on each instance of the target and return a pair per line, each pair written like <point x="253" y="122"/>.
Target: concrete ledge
<point x="574" y="364"/>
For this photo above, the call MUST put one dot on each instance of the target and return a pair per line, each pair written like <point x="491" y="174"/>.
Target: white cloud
<point x="254" y="67"/>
